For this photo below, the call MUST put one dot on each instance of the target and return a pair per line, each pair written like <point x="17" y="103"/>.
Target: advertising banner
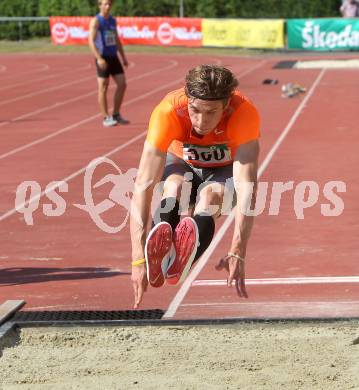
<point x="264" y="34"/>
<point x="160" y="31"/>
<point x="69" y="30"/>
<point x="142" y="31"/>
<point x="323" y="34"/>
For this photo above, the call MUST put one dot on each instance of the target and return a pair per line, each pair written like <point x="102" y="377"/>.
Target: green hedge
<point x="192" y="8"/>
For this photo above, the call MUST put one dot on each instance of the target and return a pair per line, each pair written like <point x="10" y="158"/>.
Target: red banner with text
<point x="131" y="30"/>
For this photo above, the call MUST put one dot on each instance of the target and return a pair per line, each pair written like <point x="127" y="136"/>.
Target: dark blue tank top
<point x="106" y="36"/>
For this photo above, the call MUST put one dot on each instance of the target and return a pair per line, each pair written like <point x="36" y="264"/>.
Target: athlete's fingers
<point x="241" y="282"/>
<point x="243" y="288"/>
<point x="233" y="271"/>
<point x="142" y="287"/>
<point x="135" y="290"/>
<point x="139" y="283"/>
<point x="139" y="293"/>
<point x="231" y="276"/>
<point x="238" y="288"/>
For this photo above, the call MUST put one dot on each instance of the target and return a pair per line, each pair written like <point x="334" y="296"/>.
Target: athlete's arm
<point x="149" y="174"/>
<point x="245" y="167"/>
<point x="120" y="50"/>
<point x="94" y="24"/>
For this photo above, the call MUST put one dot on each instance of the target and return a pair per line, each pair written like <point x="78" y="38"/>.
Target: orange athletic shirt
<point x="170" y="129"/>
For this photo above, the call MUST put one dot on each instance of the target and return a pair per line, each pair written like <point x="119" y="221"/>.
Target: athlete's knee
<point x="172" y="187"/>
<point x="121" y="83"/>
<point x="102" y="88"/>
<point x="210" y="200"/>
<point x="212" y="195"/>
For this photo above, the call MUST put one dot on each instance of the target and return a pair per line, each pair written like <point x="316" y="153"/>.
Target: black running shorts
<point x="113" y="68"/>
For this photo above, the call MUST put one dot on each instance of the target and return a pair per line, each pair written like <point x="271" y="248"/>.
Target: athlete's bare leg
<point x="102" y="95"/>
<point x="120" y="81"/>
<point x="172" y="186"/>
<point x="210" y="200"/>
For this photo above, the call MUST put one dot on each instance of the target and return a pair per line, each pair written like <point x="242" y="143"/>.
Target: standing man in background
<point x="104" y="44"/>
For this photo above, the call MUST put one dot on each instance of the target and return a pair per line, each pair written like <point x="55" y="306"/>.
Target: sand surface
<point x="242" y="356"/>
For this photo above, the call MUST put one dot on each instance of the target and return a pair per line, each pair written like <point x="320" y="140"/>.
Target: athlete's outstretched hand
<point x="236" y="273"/>
<point x="139" y="283"/>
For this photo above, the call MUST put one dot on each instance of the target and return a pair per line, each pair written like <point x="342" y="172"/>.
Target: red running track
<point x="50" y="131"/>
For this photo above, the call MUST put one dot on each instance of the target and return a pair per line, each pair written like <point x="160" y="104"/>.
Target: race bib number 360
<point x="207" y="155"/>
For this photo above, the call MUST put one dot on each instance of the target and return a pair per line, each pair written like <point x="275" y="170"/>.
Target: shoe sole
<point x="157" y="249"/>
<point x="175" y="280"/>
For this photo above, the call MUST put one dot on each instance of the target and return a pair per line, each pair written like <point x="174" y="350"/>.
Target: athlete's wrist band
<point x="136" y="263"/>
<point x="240" y="258"/>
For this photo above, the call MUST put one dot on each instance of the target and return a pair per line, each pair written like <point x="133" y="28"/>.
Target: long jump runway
<point x="302" y="259"/>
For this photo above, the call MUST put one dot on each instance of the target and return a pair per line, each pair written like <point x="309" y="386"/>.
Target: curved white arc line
<point x="29" y="95"/>
<point x="41" y="69"/>
<point x="46" y="78"/>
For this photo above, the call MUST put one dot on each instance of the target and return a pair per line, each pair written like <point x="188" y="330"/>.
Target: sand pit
<point x="242" y="356"/>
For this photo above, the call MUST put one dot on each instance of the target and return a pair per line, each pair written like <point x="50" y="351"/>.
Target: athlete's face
<point x="205" y="114"/>
<point x="105" y="7"/>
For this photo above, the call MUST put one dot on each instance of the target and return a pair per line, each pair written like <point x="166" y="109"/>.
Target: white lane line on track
<point x="75" y="174"/>
<point x="93" y="92"/>
<point x="250" y="70"/>
<point x="67" y="128"/>
<point x="53" y="76"/>
<point x="78" y="81"/>
<point x="283" y="281"/>
<point x="181" y="293"/>
<point x="279" y="303"/>
<point x="283" y="308"/>
<point x="70" y="177"/>
<point x="349" y="305"/>
<point x="22" y="97"/>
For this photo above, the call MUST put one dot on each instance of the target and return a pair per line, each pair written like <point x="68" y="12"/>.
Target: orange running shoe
<point x="157" y="251"/>
<point x="185" y="248"/>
